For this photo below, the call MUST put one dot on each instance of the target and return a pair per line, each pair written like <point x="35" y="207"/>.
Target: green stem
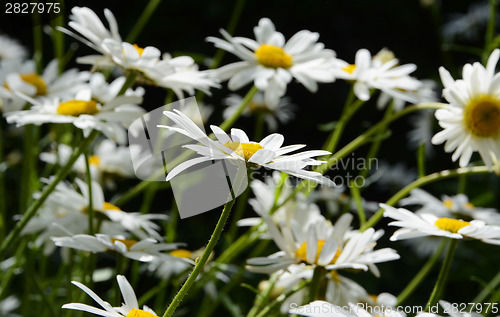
<point x="280" y="299"/>
<point x="490" y="31"/>
<point x="171" y="225"/>
<point x="231" y="120"/>
<point x="139" y="188"/>
<point x="443" y="274"/>
<point x="90" y="208"/>
<point x="314" y="287"/>
<point x="128" y="83"/>
<point x="143" y="19"/>
<point x="201" y="261"/>
<point x="261" y="299"/>
<point x="360" y="140"/>
<point x="421" y="275"/>
<point x="421" y="160"/>
<point x="239" y="245"/>
<point x="231" y="27"/>
<point x="14" y="234"/>
<point x="259" y="126"/>
<point x="375" y="146"/>
<point x="421" y="182"/>
<point x="238" y="213"/>
<point x="58" y="38"/>
<point x="356" y="195"/>
<point x="349" y="110"/>
<point x="495" y="281"/>
<point x="219" y="54"/>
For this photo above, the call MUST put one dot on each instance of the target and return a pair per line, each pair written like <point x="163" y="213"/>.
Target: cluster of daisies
<point x="315" y="255"/>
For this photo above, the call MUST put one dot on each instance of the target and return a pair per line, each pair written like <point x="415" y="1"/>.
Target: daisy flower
<point x="83" y="112"/>
<point x="66" y="210"/>
<point x="20" y="77"/>
<point x="11" y="49"/>
<point x="420" y="225"/>
<point x="339" y="289"/>
<point x="457" y="206"/>
<point x="179" y="74"/>
<point x="144" y="250"/>
<point x="129" y="308"/>
<point x="104" y="92"/>
<point x="267" y="153"/>
<point x="425" y="93"/>
<point x="333" y="247"/>
<point x="270" y="63"/>
<point x="380" y="72"/>
<point x="298" y="207"/>
<point x="282" y="112"/>
<point x="107" y="160"/>
<point x="471" y="122"/>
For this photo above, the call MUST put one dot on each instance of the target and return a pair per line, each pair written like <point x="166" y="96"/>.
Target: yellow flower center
<point x="468" y="205"/>
<point x="448" y="203"/>
<point x="301" y="252"/>
<point x="273" y="56"/>
<point x="128" y="243"/>
<point x="349" y="68"/>
<point x="335" y="276"/>
<point x="139" y="313"/>
<point x="77" y="107"/>
<point x="94" y="160"/>
<point x="246" y="150"/>
<point x="34" y="80"/>
<point x="450" y="224"/>
<point x="181" y="253"/>
<point x="482" y="116"/>
<point x="139" y="49"/>
<point x="109" y="206"/>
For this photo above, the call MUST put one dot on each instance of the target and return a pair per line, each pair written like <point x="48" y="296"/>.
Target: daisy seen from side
<point x="84" y="113"/>
<point x="268" y="152"/>
<point x="420" y="225"/>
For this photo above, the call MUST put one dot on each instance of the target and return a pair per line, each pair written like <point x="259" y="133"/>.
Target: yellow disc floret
<point x="273" y="56"/>
<point x="94" y="160"/>
<point x="127" y="242"/>
<point x="301" y="252"/>
<point x="349" y="68"/>
<point x="450" y="224"/>
<point x="181" y="253"/>
<point x="110" y="206"/>
<point x="139" y="313"/>
<point x="482" y="116"/>
<point x="77" y="107"/>
<point x="34" y="80"/>
<point x="448" y="203"/>
<point x="246" y="150"/>
<point x="139" y="49"/>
